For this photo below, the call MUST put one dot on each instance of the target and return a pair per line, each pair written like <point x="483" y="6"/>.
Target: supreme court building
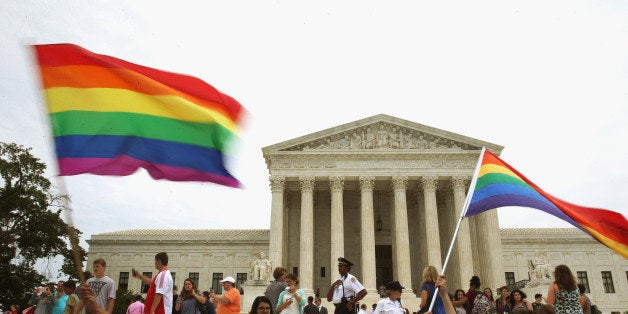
<point x="385" y="193"/>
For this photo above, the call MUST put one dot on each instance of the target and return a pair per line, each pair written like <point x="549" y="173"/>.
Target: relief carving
<point x="381" y="136"/>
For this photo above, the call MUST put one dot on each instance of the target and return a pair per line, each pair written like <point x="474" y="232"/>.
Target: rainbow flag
<point x="111" y="117"/>
<point x="497" y="184"/>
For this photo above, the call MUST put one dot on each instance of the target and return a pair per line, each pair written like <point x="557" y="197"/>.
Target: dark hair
<point x="293" y="277"/>
<point x="538" y="295"/>
<point x="206" y="294"/>
<point x="279" y="271"/>
<point x="582" y="288"/>
<point x="310" y="299"/>
<point x="257" y="301"/>
<point x="456" y="294"/>
<point x="475" y="281"/>
<point x="564" y="279"/>
<point x="521" y="293"/>
<point x="547" y="309"/>
<point x="70" y="284"/>
<point x="138" y="297"/>
<point x="162" y="257"/>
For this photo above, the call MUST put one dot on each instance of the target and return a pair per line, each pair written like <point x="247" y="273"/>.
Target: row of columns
<point x="400" y="232"/>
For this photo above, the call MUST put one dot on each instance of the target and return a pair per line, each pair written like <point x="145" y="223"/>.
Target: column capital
<point x="459" y="182"/>
<point x="306" y="183"/>
<point x="429" y="183"/>
<point x="277" y="183"/>
<point x="367" y="183"/>
<point x="399" y="183"/>
<point x="336" y="184"/>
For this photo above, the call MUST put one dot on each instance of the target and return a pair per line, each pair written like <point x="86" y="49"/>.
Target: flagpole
<point x="74" y="242"/>
<point x="463" y="212"/>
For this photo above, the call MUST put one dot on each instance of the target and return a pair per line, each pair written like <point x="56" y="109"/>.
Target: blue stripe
<point x="153" y="151"/>
<point x="494" y="189"/>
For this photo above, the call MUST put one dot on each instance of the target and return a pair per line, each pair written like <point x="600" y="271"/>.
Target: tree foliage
<point x="31" y="226"/>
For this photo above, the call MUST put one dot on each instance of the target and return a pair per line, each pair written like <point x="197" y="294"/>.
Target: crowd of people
<point x="283" y="296"/>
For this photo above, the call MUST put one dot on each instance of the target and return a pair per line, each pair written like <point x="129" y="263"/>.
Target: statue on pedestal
<point x="539" y="270"/>
<point x="261" y="268"/>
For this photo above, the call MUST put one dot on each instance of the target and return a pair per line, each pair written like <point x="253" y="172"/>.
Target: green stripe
<point x="211" y="135"/>
<point x="491" y="178"/>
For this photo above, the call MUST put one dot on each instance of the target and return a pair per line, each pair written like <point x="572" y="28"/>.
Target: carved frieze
<point x="381" y="136"/>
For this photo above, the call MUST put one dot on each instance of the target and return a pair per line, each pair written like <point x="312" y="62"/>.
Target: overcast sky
<point x="546" y="79"/>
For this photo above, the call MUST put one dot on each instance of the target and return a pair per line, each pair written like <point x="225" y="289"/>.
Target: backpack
<point x="481" y="304"/>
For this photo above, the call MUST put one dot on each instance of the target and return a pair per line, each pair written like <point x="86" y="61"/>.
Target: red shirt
<point x="150" y="296"/>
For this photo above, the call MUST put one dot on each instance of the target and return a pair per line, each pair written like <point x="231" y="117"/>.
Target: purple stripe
<point x="125" y="165"/>
<point x="518" y="200"/>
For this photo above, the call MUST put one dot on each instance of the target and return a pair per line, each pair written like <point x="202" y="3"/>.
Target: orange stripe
<point x="86" y="76"/>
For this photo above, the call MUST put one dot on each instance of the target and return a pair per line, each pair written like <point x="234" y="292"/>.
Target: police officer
<point x="392" y="304"/>
<point x="347" y="290"/>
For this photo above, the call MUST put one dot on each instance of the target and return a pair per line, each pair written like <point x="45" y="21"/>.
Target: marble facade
<point x="384" y="192"/>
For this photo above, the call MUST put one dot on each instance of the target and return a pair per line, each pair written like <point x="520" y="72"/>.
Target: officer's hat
<point x="344" y="262"/>
<point x="394" y="285"/>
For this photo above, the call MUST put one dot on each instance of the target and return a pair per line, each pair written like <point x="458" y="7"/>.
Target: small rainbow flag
<point x="497" y="184"/>
<point x="111" y="117"/>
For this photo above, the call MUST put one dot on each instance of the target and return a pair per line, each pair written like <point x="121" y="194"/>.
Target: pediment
<point x="380" y="133"/>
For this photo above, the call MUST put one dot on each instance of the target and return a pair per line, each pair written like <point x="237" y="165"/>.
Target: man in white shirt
<point x="347" y="290"/>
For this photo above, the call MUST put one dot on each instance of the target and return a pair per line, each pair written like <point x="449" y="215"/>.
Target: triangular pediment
<point x="381" y="132"/>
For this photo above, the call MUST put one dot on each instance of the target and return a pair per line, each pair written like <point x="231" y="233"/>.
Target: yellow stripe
<point x="121" y="100"/>
<point x="620" y="248"/>
<point x="493" y="168"/>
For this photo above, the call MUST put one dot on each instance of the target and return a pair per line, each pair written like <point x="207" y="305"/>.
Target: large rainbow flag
<point x="497" y="184"/>
<point x="111" y="117"/>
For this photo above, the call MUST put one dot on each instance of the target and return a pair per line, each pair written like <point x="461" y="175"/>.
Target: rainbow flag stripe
<point x="111" y="117"/>
<point x="498" y="185"/>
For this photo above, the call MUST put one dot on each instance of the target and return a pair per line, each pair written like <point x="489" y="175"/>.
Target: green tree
<point x="30" y="223"/>
<point x="123" y="299"/>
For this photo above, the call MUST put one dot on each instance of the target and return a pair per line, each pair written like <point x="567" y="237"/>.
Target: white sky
<point x="546" y="79"/>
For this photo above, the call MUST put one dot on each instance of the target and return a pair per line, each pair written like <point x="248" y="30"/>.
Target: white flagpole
<point x="463" y="212"/>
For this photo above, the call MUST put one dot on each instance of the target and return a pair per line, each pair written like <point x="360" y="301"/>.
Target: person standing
<point x="277" y="286"/>
<point x="585" y="302"/>
<point x="321" y="308"/>
<point x="564" y="293"/>
<point x="428" y="288"/>
<point x="190" y="299"/>
<point x="392" y="304"/>
<point x="43" y="299"/>
<point x="228" y="303"/>
<point x="346" y="291"/>
<point x="469" y="297"/>
<point x="537" y="304"/>
<point x="310" y="308"/>
<point x="60" y="299"/>
<point x="159" y="296"/>
<point x="69" y="287"/>
<point x="136" y="307"/>
<point x="292" y="299"/>
<point x="175" y="297"/>
<point x="104" y="287"/>
<point x="503" y="304"/>
<point x="211" y="309"/>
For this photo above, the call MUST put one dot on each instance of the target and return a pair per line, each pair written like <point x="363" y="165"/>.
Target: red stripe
<point x="68" y="54"/>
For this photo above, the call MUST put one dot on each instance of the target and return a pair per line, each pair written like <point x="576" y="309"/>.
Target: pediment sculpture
<point x="381" y="136"/>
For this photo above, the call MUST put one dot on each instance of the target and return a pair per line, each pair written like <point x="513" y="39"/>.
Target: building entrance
<point x="383" y="264"/>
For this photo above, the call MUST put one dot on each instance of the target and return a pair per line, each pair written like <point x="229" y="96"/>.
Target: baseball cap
<point x="229" y="279"/>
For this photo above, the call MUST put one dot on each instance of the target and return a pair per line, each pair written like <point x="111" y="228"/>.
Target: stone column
<point x="276" y="243"/>
<point x="367" y="219"/>
<point x="306" y="244"/>
<point x="432" y="237"/>
<point x="337" y="248"/>
<point x="463" y="240"/>
<point x="489" y="248"/>
<point x="401" y="239"/>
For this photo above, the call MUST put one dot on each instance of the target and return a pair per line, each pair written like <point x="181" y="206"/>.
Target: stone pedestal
<point x="252" y="289"/>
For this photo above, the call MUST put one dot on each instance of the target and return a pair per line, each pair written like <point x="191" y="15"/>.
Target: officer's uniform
<point x="388" y="306"/>
<point x="346" y="291"/>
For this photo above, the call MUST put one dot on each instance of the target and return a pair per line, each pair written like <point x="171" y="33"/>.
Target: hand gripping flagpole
<point x="463" y="212"/>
